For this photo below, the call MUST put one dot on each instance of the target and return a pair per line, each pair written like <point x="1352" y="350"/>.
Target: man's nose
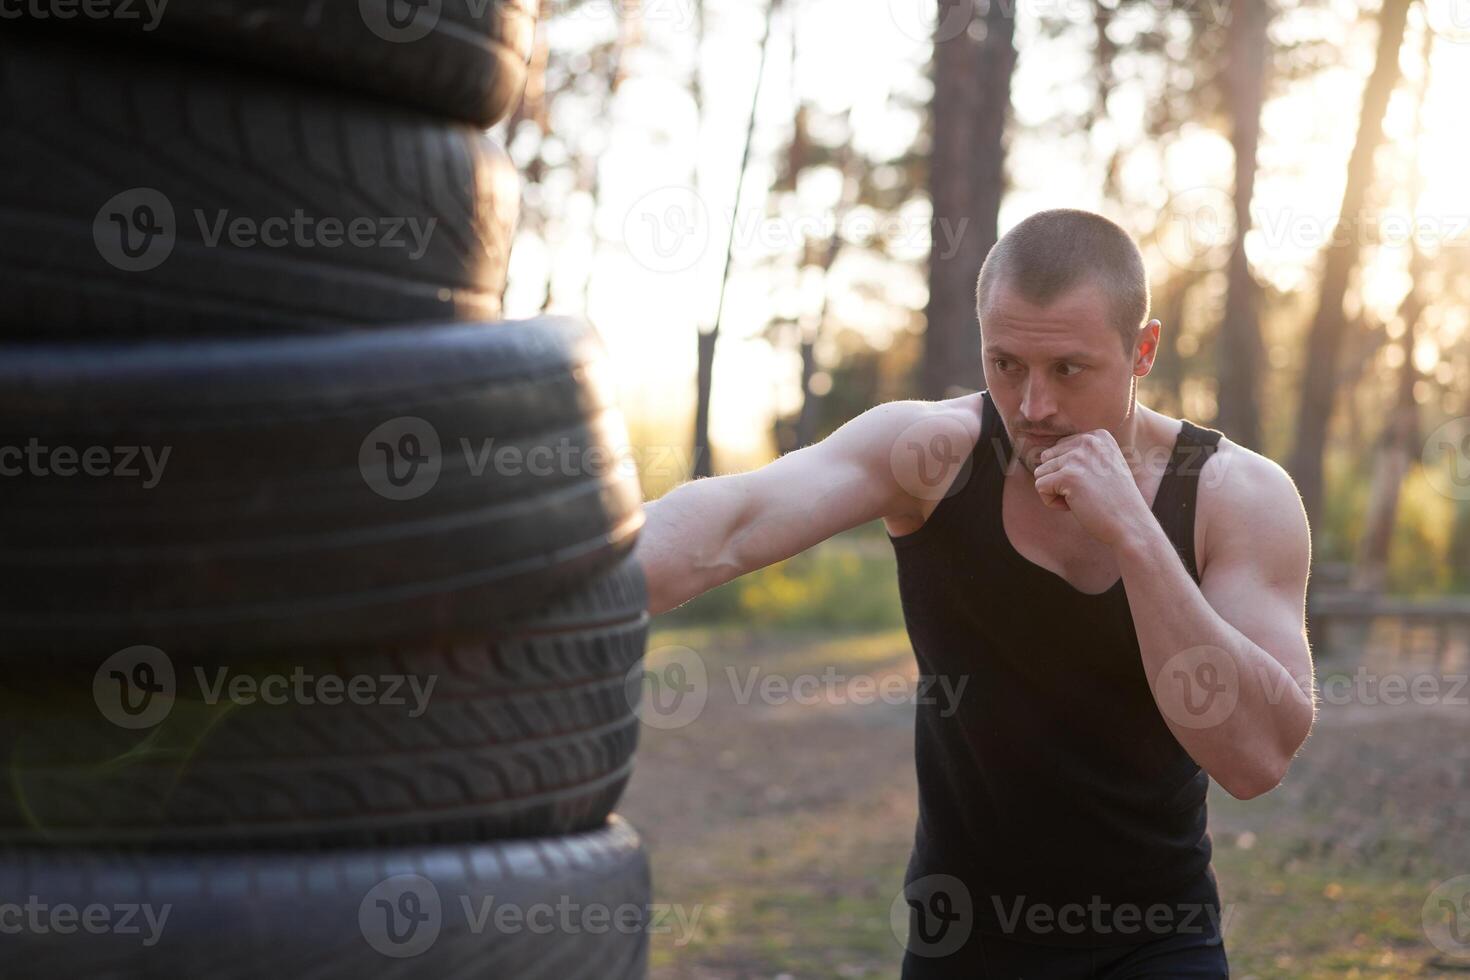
<point x="1037" y="402"/>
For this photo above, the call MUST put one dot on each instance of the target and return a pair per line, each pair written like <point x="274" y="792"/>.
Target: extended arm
<point x="706" y="532"/>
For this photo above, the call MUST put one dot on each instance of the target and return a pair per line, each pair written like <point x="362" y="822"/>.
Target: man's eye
<point x="1074" y="373"/>
<point x="1001" y="363"/>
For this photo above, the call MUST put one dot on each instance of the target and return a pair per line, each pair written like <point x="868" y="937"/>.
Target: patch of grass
<point x="848" y="582"/>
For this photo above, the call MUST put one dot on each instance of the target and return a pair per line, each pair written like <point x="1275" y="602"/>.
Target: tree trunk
<point x="972" y="95"/>
<point x="1395" y="455"/>
<point x="806" y="421"/>
<point x="1401" y="427"/>
<point x="703" y="451"/>
<point x="1325" y="338"/>
<point x="1240" y="350"/>
<point x="1104" y="55"/>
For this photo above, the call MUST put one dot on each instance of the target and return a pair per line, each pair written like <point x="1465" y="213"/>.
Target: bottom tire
<point x="560" y="908"/>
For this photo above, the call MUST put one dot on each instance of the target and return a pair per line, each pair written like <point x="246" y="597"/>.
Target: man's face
<point x="1058" y="370"/>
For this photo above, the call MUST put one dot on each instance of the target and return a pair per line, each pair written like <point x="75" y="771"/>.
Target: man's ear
<point x="1146" y="348"/>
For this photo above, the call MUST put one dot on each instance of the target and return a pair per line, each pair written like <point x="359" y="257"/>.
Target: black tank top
<point x="1052" y="779"/>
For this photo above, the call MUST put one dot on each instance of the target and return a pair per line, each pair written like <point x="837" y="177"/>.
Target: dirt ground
<point x="779" y="828"/>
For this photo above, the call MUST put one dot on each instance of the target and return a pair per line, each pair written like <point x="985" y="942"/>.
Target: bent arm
<point x="1228" y="659"/>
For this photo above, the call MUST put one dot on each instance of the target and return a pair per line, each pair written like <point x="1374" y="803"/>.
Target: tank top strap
<point x="1174" y="505"/>
<point x="993" y="437"/>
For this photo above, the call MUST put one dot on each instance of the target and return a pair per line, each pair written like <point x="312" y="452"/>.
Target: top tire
<point x="465" y="59"/>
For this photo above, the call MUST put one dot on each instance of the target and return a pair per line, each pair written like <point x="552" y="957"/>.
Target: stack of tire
<point x="319" y="605"/>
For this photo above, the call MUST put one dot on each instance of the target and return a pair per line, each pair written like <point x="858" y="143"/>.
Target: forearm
<point x="1233" y="707"/>
<point x="683" y="544"/>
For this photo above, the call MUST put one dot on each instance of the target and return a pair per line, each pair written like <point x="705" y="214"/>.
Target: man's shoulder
<point x="1247" y="499"/>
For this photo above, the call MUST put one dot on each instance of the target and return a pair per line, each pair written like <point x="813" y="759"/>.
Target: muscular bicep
<point x="1258" y="551"/>
<point x="867" y="469"/>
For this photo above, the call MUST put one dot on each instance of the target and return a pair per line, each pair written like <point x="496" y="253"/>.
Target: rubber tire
<point x="271" y="526"/>
<point x="272" y="914"/>
<point x="97" y="147"/>
<point x="528" y="732"/>
<point x="464" y="59"/>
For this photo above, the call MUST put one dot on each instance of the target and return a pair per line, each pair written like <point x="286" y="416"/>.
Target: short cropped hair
<point x="1049" y="253"/>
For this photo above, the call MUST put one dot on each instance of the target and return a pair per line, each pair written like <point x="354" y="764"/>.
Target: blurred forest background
<point x="775" y="214"/>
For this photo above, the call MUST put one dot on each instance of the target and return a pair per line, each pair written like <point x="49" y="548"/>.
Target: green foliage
<point x="1429" y="540"/>
<point x="846" y="583"/>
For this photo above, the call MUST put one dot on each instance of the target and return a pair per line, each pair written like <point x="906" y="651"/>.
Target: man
<point x="1126" y="605"/>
